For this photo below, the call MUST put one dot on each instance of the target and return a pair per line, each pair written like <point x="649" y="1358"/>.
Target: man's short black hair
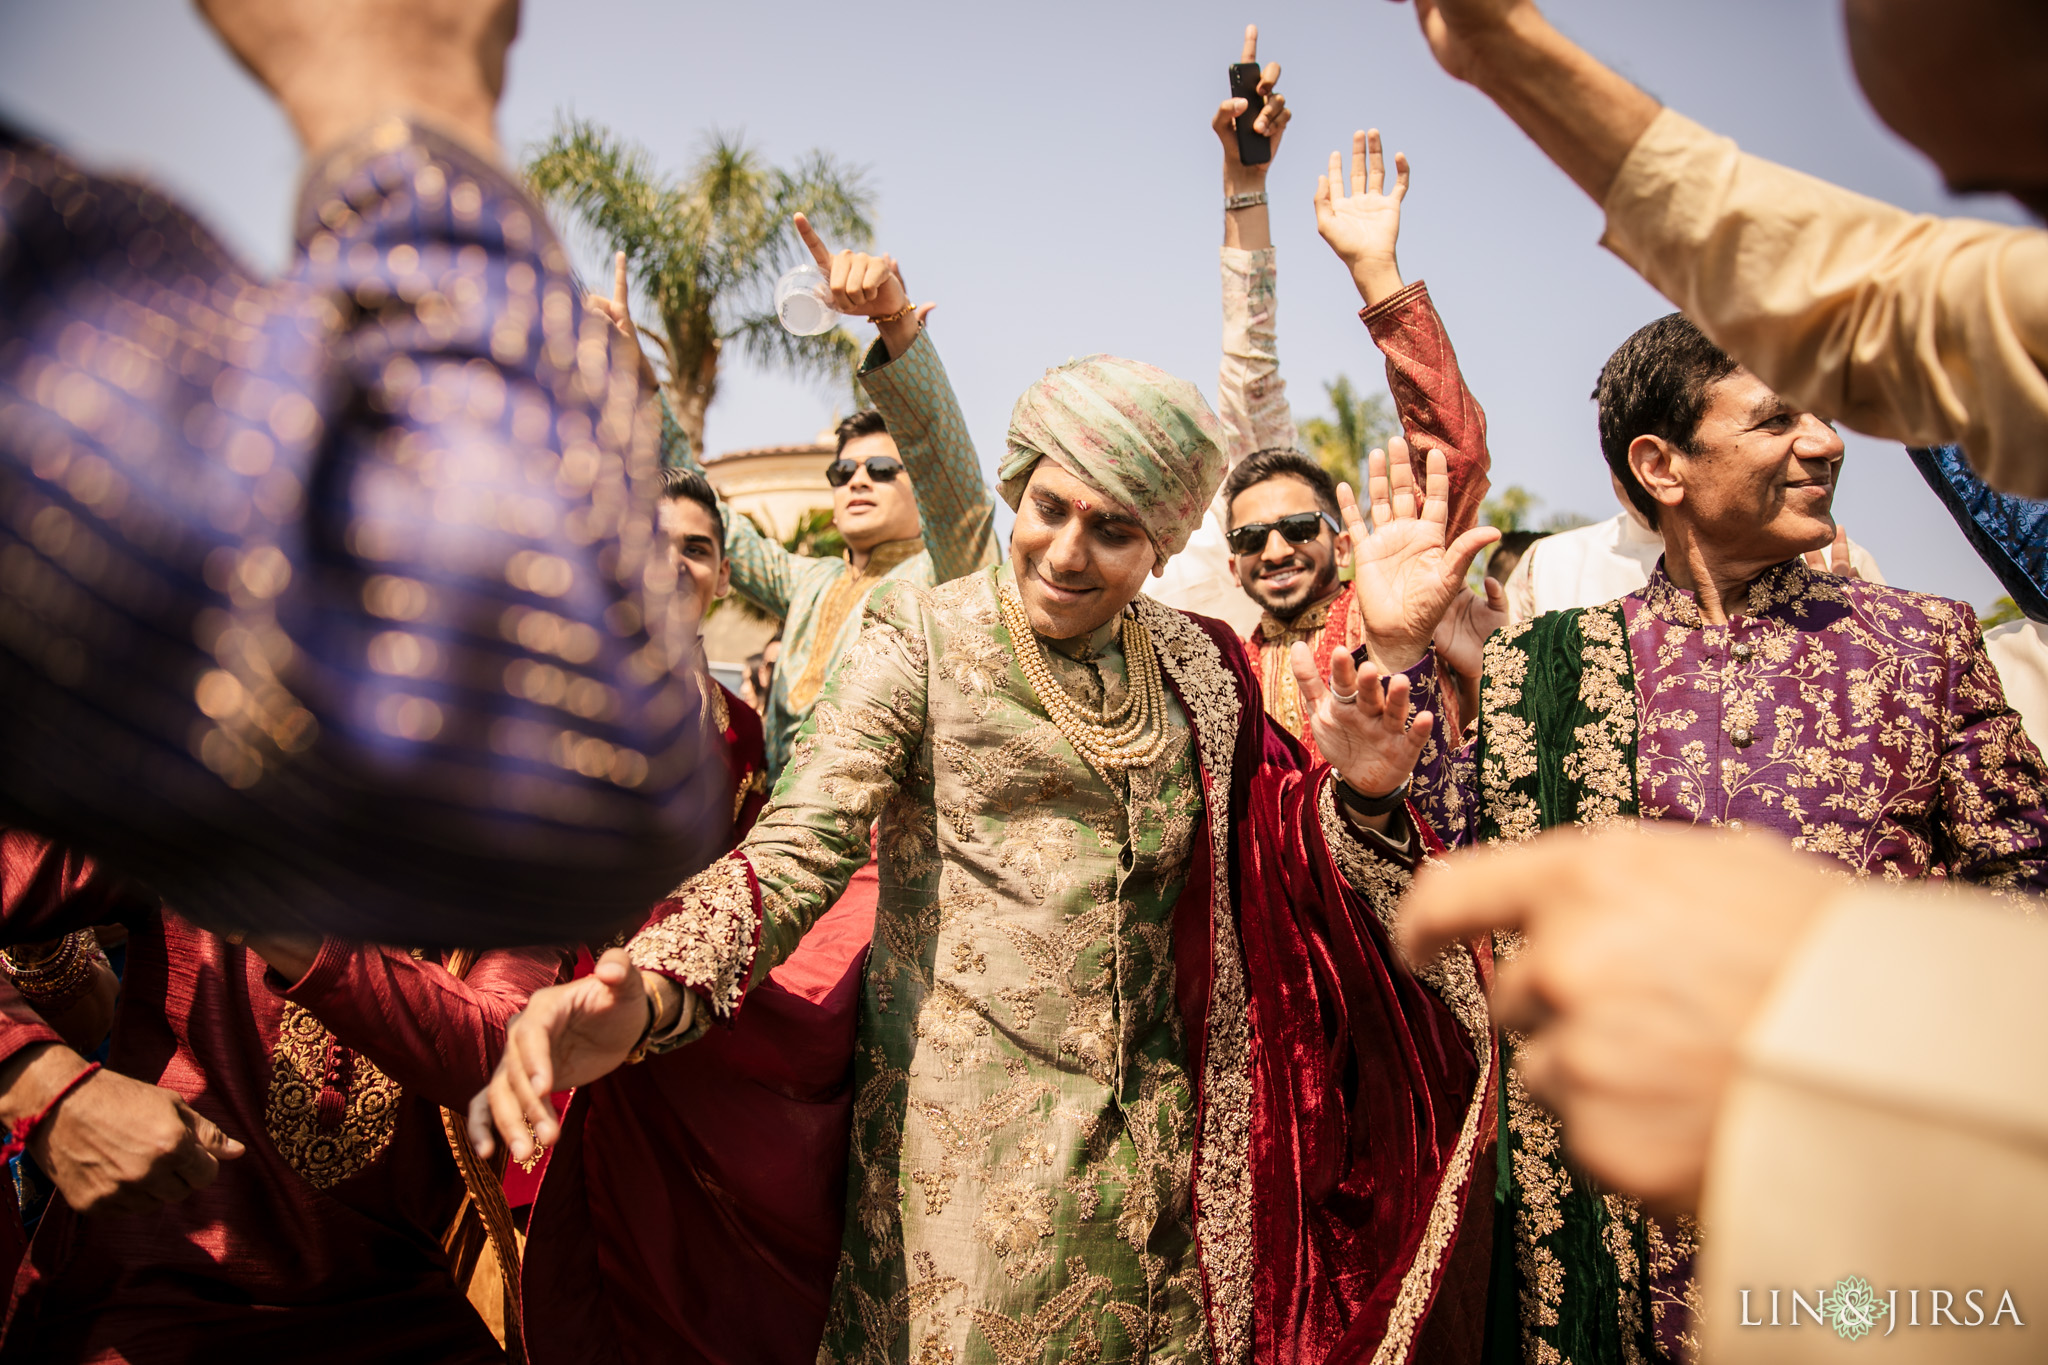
<point x="684" y="483"/>
<point x="1513" y="544"/>
<point x="867" y="422"/>
<point x="1273" y="464"/>
<point x="1656" y="384"/>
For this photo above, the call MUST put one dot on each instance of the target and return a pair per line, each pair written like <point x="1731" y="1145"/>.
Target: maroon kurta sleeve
<point x="436" y="1035"/>
<point x="1437" y="411"/>
<point x="47" y="891"/>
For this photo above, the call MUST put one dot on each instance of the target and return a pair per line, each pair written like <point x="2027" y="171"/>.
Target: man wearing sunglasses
<point x="875" y="505"/>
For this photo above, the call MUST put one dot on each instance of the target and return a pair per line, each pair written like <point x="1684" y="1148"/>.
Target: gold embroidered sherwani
<point x="1029" y="1138"/>
<point x="1023" y="1122"/>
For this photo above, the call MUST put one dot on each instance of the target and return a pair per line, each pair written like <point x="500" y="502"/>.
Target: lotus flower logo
<point x="1852" y="1307"/>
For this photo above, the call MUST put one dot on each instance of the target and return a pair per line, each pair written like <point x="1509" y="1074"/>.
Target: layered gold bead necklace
<point x="1133" y="735"/>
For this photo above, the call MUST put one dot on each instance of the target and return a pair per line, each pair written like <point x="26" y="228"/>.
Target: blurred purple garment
<point x="334" y="602"/>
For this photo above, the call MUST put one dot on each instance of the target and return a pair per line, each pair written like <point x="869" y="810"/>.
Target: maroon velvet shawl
<point x="1362" y="1082"/>
<point x="690" y="1211"/>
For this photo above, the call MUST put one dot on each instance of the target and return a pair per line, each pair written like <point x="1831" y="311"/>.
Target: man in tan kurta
<point x="1926" y="330"/>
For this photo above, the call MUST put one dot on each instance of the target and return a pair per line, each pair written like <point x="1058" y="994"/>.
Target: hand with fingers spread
<point x="868" y="286"/>
<point x="1404" y="576"/>
<point x="114" y="1144"/>
<point x="1645" y="954"/>
<point x="1362" y="227"/>
<point x="1835" y="558"/>
<point x="1361" y="728"/>
<point x="568" y="1035"/>
<point x="1239" y="178"/>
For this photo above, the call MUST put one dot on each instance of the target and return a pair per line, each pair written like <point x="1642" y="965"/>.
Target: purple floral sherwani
<point x="1863" y="722"/>
<point x="1859" y="720"/>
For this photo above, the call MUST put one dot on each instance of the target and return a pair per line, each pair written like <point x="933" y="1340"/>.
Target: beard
<point x="1312" y="586"/>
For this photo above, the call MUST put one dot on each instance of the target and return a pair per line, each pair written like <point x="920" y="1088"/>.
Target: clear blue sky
<point x="1047" y="174"/>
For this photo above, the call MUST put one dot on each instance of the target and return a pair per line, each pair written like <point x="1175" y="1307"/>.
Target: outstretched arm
<point x="727" y="927"/>
<point x="1251" y="397"/>
<point x="1437" y="411"/>
<point x="1905" y="326"/>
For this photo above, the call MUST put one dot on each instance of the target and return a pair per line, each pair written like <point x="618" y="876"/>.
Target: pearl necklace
<point x="1134" y="735"/>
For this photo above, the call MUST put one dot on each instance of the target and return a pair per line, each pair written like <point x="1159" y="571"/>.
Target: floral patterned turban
<point x="1135" y="434"/>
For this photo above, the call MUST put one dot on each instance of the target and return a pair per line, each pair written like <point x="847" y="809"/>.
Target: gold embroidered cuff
<point x="706" y="941"/>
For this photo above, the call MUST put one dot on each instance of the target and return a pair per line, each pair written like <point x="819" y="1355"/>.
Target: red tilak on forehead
<point x="1081" y="503"/>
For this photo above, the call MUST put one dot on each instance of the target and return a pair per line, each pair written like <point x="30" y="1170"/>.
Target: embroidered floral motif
<point x="1454" y="976"/>
<point x="330" y="1112"/>
<point x="1223" y="1168"/>
<point x="706" y="942"/>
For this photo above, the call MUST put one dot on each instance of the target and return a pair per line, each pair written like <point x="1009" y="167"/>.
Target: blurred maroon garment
<point x="691" y="1209"/>
<point x="322" y="1241"/>
<point x="739" y="740"/>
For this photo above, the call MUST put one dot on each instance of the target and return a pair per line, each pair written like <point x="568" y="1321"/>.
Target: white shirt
<point x="2020" y="649"/>
<point x="1593" y="564"/>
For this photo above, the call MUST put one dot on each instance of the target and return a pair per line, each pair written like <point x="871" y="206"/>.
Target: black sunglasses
<point x="1298" y="529"/>
<point x="881" y="468"/>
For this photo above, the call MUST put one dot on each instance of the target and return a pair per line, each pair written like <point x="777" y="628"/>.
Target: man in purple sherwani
<point x="1740" y="687"/>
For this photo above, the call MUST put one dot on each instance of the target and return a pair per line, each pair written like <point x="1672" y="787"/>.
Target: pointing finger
<point x="1251" y="43"/>
<point x="619" y="283"/>
<point x="812" y="240"/>
<point x="1359" y="180"/>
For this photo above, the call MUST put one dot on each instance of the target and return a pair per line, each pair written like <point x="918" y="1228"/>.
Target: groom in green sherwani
<point x="1137" y="1076"/>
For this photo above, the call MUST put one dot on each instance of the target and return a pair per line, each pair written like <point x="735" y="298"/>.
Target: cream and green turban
<point x="1132" y="432"/>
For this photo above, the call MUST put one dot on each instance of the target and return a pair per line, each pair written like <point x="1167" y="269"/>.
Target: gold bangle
<point x="639" y="1052"/>
<point x="901" y="313"/>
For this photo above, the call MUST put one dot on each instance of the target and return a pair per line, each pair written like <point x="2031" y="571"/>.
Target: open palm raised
<point x="1404" y="576"/>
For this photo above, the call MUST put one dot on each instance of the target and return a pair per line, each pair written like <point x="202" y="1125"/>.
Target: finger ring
<point x="1344" y="698"/>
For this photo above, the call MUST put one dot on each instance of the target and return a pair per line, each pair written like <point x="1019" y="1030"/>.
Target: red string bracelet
<point x="18" y="1135"/>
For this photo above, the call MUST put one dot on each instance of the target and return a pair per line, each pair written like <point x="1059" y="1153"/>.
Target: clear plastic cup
<point x="804" y="302"/>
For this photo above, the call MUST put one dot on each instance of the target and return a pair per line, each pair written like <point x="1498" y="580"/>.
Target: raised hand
<point x="618" y="311"/>
<point x="567" y="1035"/>
<point x="1362" y="227"/>
<point x="1403" y="575"/>
<point x="1461" y="637"/>
<point x="867" y="286"/>
<point x="1272" y="120"/>
<point x="1835" y="558"/>
<point x="1366" y="735"/>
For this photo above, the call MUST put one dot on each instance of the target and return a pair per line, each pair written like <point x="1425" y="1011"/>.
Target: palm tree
<point x="706" y="249"/>
<point x="1340" y="443"/>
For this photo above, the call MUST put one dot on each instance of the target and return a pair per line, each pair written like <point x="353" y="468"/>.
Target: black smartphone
<point x="1253" y="149"/>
